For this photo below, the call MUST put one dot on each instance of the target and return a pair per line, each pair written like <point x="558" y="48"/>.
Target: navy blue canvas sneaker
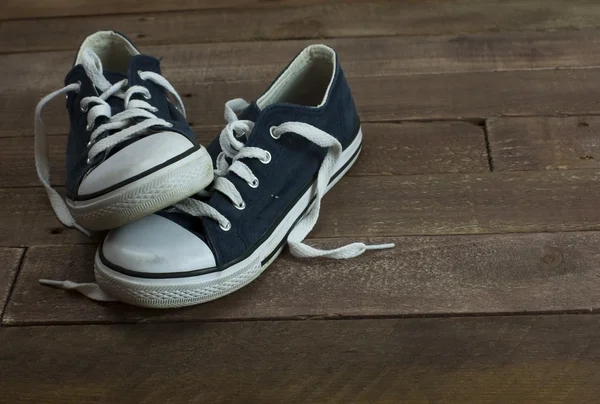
<point x="130" y="151"/>
<point x="273" y="165"/>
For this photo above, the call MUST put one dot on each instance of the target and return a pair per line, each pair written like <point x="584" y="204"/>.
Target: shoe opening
<point x="113" y="49"/>
<point x="306" y="81"/>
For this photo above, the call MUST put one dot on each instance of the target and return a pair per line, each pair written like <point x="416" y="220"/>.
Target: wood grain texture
<point x="381" y="98"/>
<point x="410" y="148"/>
<point x="28" y="219"/>
<point x="361" y="57"/>
<point x="208" y="75"/>
<point x="16" y="9"/>
<point x="449" y="275"/>
<point x="544" y="143"/>
<point x="10" y="258"/>
<point x="311" y="20"/>
<point x="389" y="206"/>
<point x="457" y="360"/>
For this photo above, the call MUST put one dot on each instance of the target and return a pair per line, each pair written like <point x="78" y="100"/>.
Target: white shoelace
<point x="96" y="107"/>
<point x="236" y="150"/>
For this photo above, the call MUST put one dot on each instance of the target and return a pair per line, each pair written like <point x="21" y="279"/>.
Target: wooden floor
<point x="481" y="162"/>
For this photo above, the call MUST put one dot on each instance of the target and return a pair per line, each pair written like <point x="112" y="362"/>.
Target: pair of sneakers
<point x="191" y="224"/>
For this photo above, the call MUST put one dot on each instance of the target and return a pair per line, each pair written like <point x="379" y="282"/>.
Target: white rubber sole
<point x="187" y="291"/>
<point x="147" y="195"/>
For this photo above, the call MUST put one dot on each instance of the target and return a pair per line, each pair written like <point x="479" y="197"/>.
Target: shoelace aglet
<point x="81" y="229"/>
<point x="89" y="290"/>
<point x="56" y="284"/>
<point x="379" y="246"/>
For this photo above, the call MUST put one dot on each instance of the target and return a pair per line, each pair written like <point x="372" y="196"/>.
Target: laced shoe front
<point x="130" y="150"/>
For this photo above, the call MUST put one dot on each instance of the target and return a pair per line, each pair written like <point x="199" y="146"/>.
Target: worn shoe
<point x="273" y="166"/>
<point x="130" y="151"/>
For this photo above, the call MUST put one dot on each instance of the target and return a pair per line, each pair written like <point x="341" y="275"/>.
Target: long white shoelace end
<point x="90" y="290"/>
<point x="42" y="164"/>
<point x="301" y="250"/>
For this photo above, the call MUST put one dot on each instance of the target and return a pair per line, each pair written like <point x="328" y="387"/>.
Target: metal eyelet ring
<point x="76" y="91"/>
<point x="89" y="127"/>
<point x="267" y="158"/>
<point x="272" y="132"/>
<point x="90" y="143"/>
<point x="227" y="227"/>
<point x="254" y="183"/>
<point x="241" y="206"/>
<point x="83" y="109"/>
<point x="88" y="161"/>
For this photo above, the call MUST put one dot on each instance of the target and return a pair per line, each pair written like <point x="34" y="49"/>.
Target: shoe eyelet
<point x="89" y="161"/>
<point x="90" y="126"/>
<point x="90" y="143"/>
<point x="227" y="227"/>
<point x="272" y="132"/>
<point x="79" y="84"/>
<point x="241" y="206"/>
<point x="267" y="158"/>
<point x="147" y="95"/>
<point x="83" y="109"/>
<point x="254" y="183"/>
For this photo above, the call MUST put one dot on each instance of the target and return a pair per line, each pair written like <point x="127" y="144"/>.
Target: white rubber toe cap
<point x="156" y="245"/>
<point x="134" y="159"/>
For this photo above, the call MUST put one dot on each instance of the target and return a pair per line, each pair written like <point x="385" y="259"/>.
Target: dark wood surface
<point x="315" y="21"/>
<point x="545" y="143"/>
<point x="481" y="162"/>
<point x="387" y="205"/>
<point x="521" y="359"/>
<point x="445" y="77"/>
<point x="474" y="95"/>
<point x="441" y="275"/>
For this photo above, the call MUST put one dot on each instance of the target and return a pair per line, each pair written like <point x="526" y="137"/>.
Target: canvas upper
<point x="130" y="150"/>
<point x="123" y="63"/>
<point x="311" y="90"/>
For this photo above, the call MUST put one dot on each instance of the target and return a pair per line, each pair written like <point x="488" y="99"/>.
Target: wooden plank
<point x="456" y="360"/>
<point x="410" y="148"/>
<point x="442" y="275"/>
<point x="10" y="258"/>
<point x="28" y="219"/>
<point x="370" y="206"/>
<point x="15" y="9"/>
<point x="545" y="143"/>
<point x="382" y="98"/>
<point x="312" y="20"/>
<point x="197" y="63"/>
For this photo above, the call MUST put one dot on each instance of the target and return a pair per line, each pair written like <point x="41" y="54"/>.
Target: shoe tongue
<point x="142" y="63"/>
<point x="250" y="113"/>
<point x="113" y="77"/>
